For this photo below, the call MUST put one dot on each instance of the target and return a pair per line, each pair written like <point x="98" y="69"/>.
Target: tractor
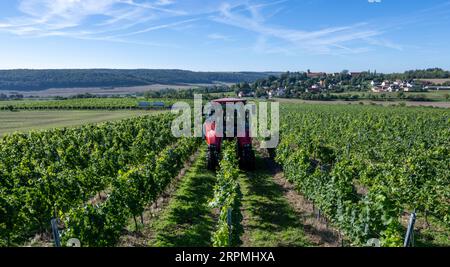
<point x="244" y="147"/>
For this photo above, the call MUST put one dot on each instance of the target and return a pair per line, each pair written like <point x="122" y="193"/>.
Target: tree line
<point x="188" y="93"/>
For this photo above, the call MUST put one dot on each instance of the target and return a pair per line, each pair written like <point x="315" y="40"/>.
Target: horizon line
<point x="224" y="71"/>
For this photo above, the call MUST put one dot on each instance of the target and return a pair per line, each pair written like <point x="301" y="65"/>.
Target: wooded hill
<point x="31" y="80"/>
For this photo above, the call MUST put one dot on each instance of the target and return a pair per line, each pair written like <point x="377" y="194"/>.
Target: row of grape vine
<point x="228" y="198"/>
<point x="53" y="173"/>
<point x="363" y="167"/>
<point x="102" y="224"/>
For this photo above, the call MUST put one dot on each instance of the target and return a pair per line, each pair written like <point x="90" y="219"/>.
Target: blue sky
<point x="234" y="35"/>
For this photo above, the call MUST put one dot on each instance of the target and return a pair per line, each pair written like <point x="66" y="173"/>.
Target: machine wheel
<point x="211" y="157"/>
<point x="248" y="158"/>
<point x="272" y="153"/>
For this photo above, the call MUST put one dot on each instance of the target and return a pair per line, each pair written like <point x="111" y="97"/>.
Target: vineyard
<point x="361" y="167"/>
<point x="57" y="173"/>
<point x="80" y="104"/>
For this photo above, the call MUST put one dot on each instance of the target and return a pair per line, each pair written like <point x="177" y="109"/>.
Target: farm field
<point x="67" y="92"/>
<point x="24" y="121"/>
<point x="341" y="175"/>
<point x="438" y="96"/>
<point x="436" y="81"/>
<point x="439" y="104"/>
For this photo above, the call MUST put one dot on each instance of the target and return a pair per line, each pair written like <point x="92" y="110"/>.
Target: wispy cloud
<point x="383" y="42"/>
<point x="164" y="2"/>
<point x="130" y="20"/>
<point x="332" y="40"/>
<point x="106" y="20"/>
<point x="156" y="27"/>
<point x="218" y="36"/>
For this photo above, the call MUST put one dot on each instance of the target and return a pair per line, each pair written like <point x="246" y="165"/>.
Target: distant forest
<point x="33" y="80"/>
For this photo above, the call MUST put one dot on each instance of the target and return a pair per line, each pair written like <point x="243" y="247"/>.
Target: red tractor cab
<point x="244" y="147"/>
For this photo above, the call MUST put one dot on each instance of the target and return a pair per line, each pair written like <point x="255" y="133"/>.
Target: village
<point x="322" y="83"/>
<point x="395" y="86"/>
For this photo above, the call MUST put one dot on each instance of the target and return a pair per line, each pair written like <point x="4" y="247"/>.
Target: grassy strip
<point x="188" y="220"/>
<point x="269" y="220"/>
<point x="434" y="235"/>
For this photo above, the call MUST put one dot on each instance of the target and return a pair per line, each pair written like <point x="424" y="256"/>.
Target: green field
<point x="23" y="121"/>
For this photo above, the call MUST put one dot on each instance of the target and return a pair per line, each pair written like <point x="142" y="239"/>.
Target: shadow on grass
<point x="272" y="221"/>
<point x="188" y="221"/>
<point x="436" y="235"/>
